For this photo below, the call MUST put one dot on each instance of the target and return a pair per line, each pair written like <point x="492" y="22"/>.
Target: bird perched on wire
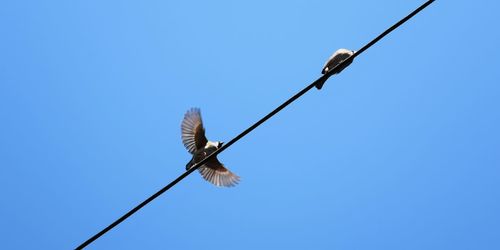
<point x="193" y="137"/>
<point x="334" y="60"/>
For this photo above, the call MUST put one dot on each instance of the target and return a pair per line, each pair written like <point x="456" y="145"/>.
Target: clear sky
<point x="400" y="151"/>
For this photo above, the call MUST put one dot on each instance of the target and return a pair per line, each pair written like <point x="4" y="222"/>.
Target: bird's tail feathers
<point x="189" y="164"/>
<point x="320" y="83"/>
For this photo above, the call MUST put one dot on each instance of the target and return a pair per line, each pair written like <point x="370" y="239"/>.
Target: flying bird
<point x="193" y="138"/>
<point x="334" y="60"/>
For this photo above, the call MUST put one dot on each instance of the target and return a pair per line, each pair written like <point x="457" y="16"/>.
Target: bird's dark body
<point x="199" y="155"/>
<point x="331" y="65"/>
<point x="336" y="61"/>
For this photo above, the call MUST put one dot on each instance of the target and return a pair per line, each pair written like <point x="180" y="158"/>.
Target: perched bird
<point x="334" y="60"/>
<point x="193" y="137"/>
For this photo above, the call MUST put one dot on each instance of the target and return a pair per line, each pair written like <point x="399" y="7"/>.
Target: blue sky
<point x="400" y="151"/>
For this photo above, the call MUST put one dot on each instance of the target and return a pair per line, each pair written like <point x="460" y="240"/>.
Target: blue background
<point x="400" y="151"/>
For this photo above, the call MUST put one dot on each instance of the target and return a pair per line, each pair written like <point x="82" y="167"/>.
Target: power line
<point x="255" y="125"/>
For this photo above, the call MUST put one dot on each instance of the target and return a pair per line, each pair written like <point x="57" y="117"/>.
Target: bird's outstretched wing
<point x="193" y="133"/>
<point x="214" y="172"/>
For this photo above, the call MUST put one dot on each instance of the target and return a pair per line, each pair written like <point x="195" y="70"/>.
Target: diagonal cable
<point x="255" y="125"/>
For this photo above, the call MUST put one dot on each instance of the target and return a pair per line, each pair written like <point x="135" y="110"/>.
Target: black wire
<point x="248" y="130"/>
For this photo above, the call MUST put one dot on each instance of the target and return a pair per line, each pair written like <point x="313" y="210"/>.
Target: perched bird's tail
<point x="189" y="164"/>
<point x="320" y="83"/>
